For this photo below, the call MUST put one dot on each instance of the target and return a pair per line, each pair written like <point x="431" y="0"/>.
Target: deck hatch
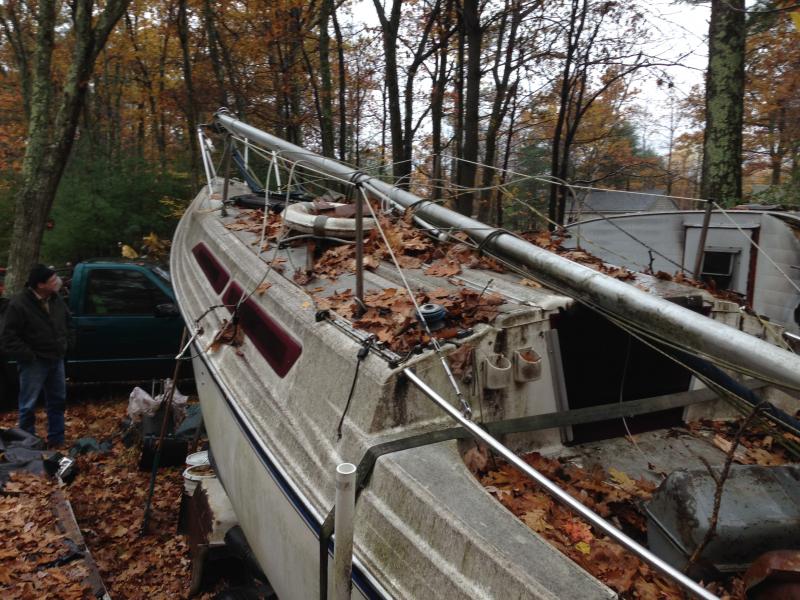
<point x="215" y="273"/>
<point x="272" y="341"/>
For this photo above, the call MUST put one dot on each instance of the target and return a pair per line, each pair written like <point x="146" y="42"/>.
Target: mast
<point x="649" y="314"/>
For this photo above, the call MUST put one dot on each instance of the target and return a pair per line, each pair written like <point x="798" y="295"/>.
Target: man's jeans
<point x="37" y="377"/>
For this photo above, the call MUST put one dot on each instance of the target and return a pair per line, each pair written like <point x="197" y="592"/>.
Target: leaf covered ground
<point x="108" y="498"/>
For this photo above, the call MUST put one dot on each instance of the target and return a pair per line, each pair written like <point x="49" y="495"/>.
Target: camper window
<point x="718" y="266"/>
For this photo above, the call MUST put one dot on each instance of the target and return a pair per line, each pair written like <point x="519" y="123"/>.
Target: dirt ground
<point x="108" y="497"/>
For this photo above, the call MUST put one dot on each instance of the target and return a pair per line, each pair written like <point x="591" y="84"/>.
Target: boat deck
<point x="650" y="455"/>
<point x="421" y="503"/>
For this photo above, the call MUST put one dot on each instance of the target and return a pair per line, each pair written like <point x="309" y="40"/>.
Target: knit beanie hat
<point x="39" y="274"/>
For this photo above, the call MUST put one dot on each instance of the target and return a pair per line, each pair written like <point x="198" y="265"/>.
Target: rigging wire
<point x="657" y="344"/>
<point x="362" y="354"/>
<point x="572" y="186"/>
<point x="465" y="407"/>
<point x="647" y="459"/>
<point x="547" y="219"/>
<point x="758" y="248"/>
<point x="327" y="176"/>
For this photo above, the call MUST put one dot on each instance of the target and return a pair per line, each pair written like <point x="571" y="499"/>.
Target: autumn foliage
<point x="108" y="498"/>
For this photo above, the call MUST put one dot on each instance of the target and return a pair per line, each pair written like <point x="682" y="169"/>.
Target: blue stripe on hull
<point x="360" y="581"/>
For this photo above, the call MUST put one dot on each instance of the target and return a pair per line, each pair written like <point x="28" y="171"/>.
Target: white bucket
<point x="194" y="475"/>
<point x="197" y="459"/>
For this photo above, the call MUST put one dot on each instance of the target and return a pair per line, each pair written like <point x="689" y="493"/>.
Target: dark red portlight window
<point x="272" y="341"/>
<point x="232" y="296"/>
<point x="215" y="273"/>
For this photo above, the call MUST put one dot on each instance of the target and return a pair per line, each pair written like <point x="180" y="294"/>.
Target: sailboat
<point x="336" y="318"/>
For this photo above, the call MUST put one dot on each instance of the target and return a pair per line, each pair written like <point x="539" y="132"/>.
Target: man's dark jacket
<point x="29" y="331"/>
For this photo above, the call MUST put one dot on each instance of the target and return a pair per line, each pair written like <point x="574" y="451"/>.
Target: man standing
<point x="35" y="334"/>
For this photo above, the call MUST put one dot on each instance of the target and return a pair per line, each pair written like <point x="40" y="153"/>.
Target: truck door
<point x="126" y="327"/>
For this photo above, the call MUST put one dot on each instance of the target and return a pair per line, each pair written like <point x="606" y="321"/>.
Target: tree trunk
<point x="312" y="78"/>
<point x="437" y="114"/>
<point x="556" y="192"/>
<point x="232" y="89"/>
<point x="13" y="31"/>
<point x="467" y="166"/>
<point x="151" y="97"/>
<point x="507" y="156"/>
<point x="294" y="129"/>
<point x="326" y="82"/>
<point x="722" y="144"/>
<point x="500" y="105"/>
<point x="778" y="149"/>
<point x="191" y="103"/>
<point x="343" y="90"/>
<point x="421" y="53"/>
<point x="50" y="138"/>
<point x="390" y="30"/>
<point x="213" y="52"/>
<point x="458" y="94"/>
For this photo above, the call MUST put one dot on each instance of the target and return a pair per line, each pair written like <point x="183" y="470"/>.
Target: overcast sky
<point x="679" y="28"/>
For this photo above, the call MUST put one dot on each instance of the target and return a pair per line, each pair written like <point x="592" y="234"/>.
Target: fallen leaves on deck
<point x="553" y="243"/>
<point x="614" y="495"/>
<point x="229" y="334"/>
<point x="392" y="318"/>
<point x="757" y="446"/>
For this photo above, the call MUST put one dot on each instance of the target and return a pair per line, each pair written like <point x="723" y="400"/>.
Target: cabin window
<point x="718" y="267"/>
<point x="232" y="296"/>
<point x="215" y="273"/>
<point x="122" y="292"/>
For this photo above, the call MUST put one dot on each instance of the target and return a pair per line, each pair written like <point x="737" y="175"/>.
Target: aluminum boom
<point x="656" y="316"/>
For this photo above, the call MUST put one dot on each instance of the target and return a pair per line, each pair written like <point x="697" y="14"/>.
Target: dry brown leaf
<point x="763" y="457"/>
<point x="303" y="277"/>
<point x="460" y="360"/>
<point x="621" y="478"/>
<point x="537" y="520"/>
<point x="443" y="268"/>
<point x="530" y="283"/>
<point x="578" y="531"/>
<point x="476" y="458"/>
<point x="229" y="334"/>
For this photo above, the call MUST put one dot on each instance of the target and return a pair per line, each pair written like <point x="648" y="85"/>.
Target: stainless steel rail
<point x="650" y="313"/>
<point x="562" y="496"/>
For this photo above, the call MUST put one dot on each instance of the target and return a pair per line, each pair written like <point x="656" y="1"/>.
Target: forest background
<point x="449" y="97"/>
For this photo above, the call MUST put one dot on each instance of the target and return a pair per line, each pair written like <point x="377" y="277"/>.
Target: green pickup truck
<point x="126" y="325"/>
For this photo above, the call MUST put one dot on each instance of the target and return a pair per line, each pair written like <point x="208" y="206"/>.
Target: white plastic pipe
<point x="343" y="527"/>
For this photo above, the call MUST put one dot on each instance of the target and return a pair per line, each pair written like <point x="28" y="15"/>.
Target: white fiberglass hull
<point x="424" y="526"/>
<point x="287" y="543"/>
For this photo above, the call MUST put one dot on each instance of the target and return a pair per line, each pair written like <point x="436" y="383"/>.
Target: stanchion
<point x="343" y="526"/>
